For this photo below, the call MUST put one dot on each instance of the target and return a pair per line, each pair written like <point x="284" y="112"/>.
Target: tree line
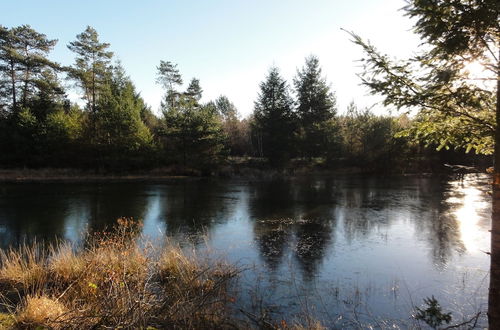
<point x="117" y="130"/>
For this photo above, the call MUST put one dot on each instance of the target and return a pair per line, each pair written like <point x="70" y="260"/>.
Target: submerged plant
<point x="433" y="314"/>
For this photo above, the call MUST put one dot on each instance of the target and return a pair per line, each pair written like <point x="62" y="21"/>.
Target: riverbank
<point x="76" y="175"/>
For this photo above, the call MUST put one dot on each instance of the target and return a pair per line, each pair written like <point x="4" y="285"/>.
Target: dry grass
<point x="42" y="312"/>
<point x="113" y="283"/>
<point x="23" y="269"/>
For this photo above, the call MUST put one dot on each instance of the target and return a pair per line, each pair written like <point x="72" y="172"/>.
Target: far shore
<point x="75" y="175"/>
<point x="46" y="175"/>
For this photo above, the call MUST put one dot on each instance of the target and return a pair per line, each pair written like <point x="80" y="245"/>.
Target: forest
<point x="435" y="238"/>
<point x="113" y="129"/>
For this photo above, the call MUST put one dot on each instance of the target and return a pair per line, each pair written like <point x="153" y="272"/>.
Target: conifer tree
<point x="92" y="65"/>
<point x="275" y="120"/>
<point x="169" y="78"/>
<point x="24" y="65"/>
<point x="315" y="108"/>
<point x="194" y="90"/>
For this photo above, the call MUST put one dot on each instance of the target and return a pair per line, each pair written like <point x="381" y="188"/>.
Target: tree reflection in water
<point x="346" y="229"/>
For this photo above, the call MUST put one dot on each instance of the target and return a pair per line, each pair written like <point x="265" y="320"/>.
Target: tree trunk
<point x="93" y="90"/>
<point x="494" y="293"/>
<point x="13" y="82"/>
<point x="26" y="77"/>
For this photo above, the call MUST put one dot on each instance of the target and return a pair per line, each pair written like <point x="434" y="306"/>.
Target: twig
<point x="474" y="318"/>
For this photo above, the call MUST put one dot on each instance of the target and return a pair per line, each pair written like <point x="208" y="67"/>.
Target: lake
<point x="367" y="248"/>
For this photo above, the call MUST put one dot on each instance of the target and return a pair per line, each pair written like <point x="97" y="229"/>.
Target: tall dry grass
<point x="114" y="283"/>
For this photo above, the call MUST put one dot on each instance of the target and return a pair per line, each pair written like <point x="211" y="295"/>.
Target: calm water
<point x="365" y="246"/>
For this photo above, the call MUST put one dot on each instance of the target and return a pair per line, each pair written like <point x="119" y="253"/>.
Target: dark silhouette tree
<point x="315" y="108"/>
<point x="275" y="120"/>
<point x="193" y="132"/>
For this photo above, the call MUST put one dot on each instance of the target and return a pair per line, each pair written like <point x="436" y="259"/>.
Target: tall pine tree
<point x="24" y="65"/>
<point x="275" y="120"/>
<point x="92" y="66"/>
<point x="315" y="109"/>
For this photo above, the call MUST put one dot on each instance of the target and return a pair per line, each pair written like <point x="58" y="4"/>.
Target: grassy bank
<point x="115" y="282"/>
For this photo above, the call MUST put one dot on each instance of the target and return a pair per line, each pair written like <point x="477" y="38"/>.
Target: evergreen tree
<point x="29" y="93"/>
<point x="194" y="90"/>
<point x="275" y="120"/>
<point x="226" y="108"/>
<point x="24" y="65"/>
<point x="193" y="132"/>
<point x="92" y="65"/>
<point x="120" y="131"/>
<point x="169" y="78"/>
<point x="316" y="108"/>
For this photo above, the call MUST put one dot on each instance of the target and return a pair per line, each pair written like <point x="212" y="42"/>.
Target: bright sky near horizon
<point x="228" y="44"/>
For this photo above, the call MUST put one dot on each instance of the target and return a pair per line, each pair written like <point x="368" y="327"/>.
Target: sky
<point x="229" y="45"/>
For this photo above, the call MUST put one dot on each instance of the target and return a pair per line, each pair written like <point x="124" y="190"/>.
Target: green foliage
<point x="432" y="314"/>
<point x="64" y="127"/>
<point x="92" y="65"/>
<point x="169" y="78"/>
<point x="24" y="65"/>
<point x="119" y="120"/>
<point x="225" y="108"/>
<point x="316" y="108"/>
<point x="372" y="141"/>
<point x="238" y="132"/>
<point x="275" y="120"/>
<point x="193" y="133"/>
<point x="194" y="90"/>
<point x="455" y="107"/>
<point x="119" y="132"/>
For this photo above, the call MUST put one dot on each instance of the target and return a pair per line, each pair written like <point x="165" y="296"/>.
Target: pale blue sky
<point x="228" y="45"/>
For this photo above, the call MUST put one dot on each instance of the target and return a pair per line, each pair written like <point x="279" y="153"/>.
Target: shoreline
<point x="76" y="176"/>
<point x="50" y="175"/>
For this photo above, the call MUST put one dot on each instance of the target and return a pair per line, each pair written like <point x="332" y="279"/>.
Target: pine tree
<point x="24" y="65"/>
<point x="275" y="120"/>
<point x="92" y="65"/>
<point x="120" y="131"/>
<point x="193" y="132"/>
<point x="316" y="108"/>
<point x="169" y="78"/>
<point x="194" y="90"/>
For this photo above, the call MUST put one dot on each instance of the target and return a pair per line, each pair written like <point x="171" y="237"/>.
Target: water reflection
<point x="469" y="203"/>
<point x="293" y="216"/>
<point x="425" y="230"/>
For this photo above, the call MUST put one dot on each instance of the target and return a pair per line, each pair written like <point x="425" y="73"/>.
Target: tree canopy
<point x="455" y="107"/>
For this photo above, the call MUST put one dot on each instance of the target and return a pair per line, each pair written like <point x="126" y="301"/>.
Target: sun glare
<point x="474" y="70"/>
<point x="470" y="201"/>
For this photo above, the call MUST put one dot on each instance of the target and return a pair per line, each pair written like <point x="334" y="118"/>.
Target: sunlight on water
<point x="469" y="200"/>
